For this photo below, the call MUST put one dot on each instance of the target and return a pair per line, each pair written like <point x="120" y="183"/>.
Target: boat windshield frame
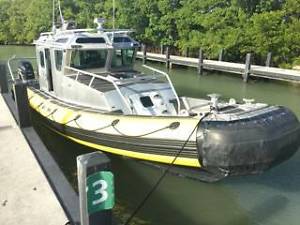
<point x="89" y="57"/>
<point x="122" y="59"/>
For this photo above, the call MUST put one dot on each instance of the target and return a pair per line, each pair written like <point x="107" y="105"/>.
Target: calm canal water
<point x="272" y="198"/>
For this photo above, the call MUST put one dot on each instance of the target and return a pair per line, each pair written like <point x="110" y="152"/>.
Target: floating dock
<point x="246" y="70"/>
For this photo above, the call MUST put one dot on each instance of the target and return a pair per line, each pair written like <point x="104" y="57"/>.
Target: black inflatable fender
<point x="248" y="145"/>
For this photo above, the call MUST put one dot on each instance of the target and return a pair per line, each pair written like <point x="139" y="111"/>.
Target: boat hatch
<point x="146" y="101"/>
<point x="151" y="103"/>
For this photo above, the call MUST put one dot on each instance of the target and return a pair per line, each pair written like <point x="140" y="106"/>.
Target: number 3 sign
<point x="100" y="191"/>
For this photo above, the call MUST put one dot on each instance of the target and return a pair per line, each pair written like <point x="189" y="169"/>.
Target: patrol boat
<point x="90" y="92"/>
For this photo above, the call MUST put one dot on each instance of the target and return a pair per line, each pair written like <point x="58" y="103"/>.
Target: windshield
<point x="122" y="58"/>
<point x="88" y="59"/>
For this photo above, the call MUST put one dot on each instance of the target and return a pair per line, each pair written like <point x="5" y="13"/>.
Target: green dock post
<point x="96" y="189"/>
<point x="3" y="78"/>
<point x="269" y="59"/>
<point x="247" y="67"/>
<point x="200" y="62"/>
<point x="22" y="104"/>
<point x="144" y="49"/>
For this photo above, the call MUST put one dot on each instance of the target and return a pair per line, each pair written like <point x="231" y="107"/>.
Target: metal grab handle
<point x="170" y="82"/>
<point x="103" y="78"/>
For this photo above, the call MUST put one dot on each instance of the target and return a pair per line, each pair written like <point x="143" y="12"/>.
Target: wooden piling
<point x="22" y="104"/>
<point x="247" y="67"/>
<point x="186" y="52"/>
<point x="168" y="57"/>
<point x="272" y="73"/>
<point x="144" y="49"/>
<point x="200" y="62"/>
<point x="221" y="53"/>
<point x="161" y="49"/>
<point x="3" y="78"/>
<point x="269" y="59"/>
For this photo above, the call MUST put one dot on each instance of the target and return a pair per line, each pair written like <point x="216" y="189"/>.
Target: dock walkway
<point x="230" y="67"/>
<point x="25" y="195"/>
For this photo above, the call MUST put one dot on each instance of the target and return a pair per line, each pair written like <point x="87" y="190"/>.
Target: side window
<point x="42" y="59"/>
<point x="58" y="59"/>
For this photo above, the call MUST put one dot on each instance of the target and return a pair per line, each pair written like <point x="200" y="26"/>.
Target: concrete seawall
<point x="25" y="194"/>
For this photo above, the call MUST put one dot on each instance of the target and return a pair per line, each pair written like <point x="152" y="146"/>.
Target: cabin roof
<point x="86" y="39"/>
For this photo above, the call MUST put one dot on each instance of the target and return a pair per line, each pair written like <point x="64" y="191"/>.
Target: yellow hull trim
<point x="69" y="114"/>
<point x="181" y="161"/>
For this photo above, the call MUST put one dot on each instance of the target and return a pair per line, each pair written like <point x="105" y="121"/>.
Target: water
<point x="268" y="199"/>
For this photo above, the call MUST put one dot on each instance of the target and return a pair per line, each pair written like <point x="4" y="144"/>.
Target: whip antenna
<point x="114" y="8"/>
<point x="53" y="17"/>
<point x="61" y="15"/>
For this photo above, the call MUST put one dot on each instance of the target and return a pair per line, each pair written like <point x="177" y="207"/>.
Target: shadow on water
<point x="284" y="177"/>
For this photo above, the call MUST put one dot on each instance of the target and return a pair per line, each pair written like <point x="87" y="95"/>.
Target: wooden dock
<point x="246" y="70"/>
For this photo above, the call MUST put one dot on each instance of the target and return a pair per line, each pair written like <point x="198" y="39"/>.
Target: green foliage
<point x="237" y="26"/>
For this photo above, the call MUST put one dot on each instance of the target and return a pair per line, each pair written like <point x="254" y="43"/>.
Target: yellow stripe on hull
<point x="181" y="161"/>
<point x="68" y="115"/>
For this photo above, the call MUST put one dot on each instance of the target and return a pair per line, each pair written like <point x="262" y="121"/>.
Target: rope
<point x="172" y="126"/>
<point x="100" y="128"/>
<point x="74" y="119"/>
<point x="143" y="202"/>
<point x="113" y="124"/>
<point x="39" y="105"/>
<point x="51" y="114"/>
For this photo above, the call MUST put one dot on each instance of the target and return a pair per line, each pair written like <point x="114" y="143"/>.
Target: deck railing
<point x="169" y="81"/>
<point x="116" y="82"/>
<point x="108" y="79"/>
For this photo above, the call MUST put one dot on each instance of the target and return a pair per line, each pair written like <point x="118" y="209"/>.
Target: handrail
<point x="135" y="79"/>
<point x="115" y="31"/>
<point x="169" y="80"/>
<point x="9" y="67"/>
<point x="12" y="59"/>
<point x="103" y="78"/>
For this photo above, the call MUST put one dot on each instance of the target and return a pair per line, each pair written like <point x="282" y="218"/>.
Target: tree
<point x="238" y="26"/>
<point x="4" y="25"/>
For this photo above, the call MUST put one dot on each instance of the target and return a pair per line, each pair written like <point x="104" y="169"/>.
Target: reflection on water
<point x="270" y="198"/>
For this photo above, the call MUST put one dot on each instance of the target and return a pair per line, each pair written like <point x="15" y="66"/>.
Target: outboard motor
<point x="25" y="71"/>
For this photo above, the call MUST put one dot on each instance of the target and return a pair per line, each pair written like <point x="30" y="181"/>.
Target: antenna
<point x="60" y="14"/>
<point x="114" y="8"/>
<point x="53" y="17"/>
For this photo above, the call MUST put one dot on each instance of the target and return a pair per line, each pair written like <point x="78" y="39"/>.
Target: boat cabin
<point x="95" y="69"/>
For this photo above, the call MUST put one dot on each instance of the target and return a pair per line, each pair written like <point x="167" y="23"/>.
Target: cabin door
<point x="48" y="69"/>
